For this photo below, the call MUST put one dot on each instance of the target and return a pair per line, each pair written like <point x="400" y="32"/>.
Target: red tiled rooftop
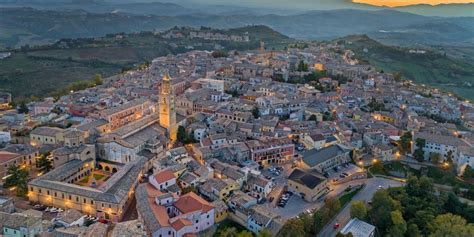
<point x="180" y="223"/>
<point x="164" y="175"/>
<point x="6" y="156"/>
<point x="192" y="202"/>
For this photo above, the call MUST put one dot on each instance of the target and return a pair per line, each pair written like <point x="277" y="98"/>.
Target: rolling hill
<point x="31" y="26"/>
<point x="46" y="70"/>
<point x="430" y="68"/>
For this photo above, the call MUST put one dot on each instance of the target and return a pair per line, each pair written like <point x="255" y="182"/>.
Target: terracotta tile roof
<point x="190" y="235"/>
<point x="6" y="156"/>
<point x="164" y="175"/>
<point x="180" y="223"/>
<point x="191" y="202"/>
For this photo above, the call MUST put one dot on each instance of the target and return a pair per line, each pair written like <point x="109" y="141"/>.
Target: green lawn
<point x="378" y="169"/>
<point x="225" y="224"/>
<point x="98" y="176"/>
<point x="84" y="180"/>
<point x="346" y="198"/>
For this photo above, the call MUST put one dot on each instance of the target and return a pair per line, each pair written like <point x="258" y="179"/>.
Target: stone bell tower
<point x="167" y="110"/>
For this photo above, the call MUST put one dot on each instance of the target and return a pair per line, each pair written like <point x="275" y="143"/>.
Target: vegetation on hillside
<point x="429" y="68"/>
<point x="71" y="64"/>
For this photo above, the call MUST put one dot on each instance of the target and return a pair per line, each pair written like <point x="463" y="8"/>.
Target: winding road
<point x="343" y="217"/>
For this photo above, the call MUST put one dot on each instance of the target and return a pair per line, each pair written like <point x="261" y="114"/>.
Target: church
<point x="148" y="136"/>
<point x="100" y="180"/>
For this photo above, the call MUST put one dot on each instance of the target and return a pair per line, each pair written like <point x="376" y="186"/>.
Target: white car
<point x="380" y="187"/>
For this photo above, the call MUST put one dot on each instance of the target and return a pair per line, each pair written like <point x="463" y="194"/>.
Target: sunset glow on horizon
<point x="397" y="3"/>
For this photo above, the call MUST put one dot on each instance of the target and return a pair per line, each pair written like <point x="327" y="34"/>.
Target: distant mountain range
<point x="219" y="7"/>
<point x="21" y="26"/>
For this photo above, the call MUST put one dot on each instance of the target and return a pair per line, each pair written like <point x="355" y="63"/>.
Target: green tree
<point x="339" y="234"/>
<point x="17" y="178"/>
<point x="399" y="226"/>
<point x="413" y="231"/>
<point x="308" y="223"/>
<point x="292" y="228"/>
<point x="227" y="232"/>
<point x="318" y="221"/>
<point x="468" y="172"/>
<point x="435" y="158"/>
<point x="44" y="164"/>
<point x="451" y="225"/>
<point x="313" y="118"/>
<point x="255" y="112"/>
<point x="23" y="109"/>
<point x="302" y="66"/>
<point x="245" y="233"/>
<point x="332" y="205"/>
<point x="453" y="205"/>
<point x="220" y="54"/>
<point x="419" y="152"/>
<point x="405" y="142"/>
<point x="382" y="206"/>
<point x="98" y="79"/>
<point x="358" y="210"/>
<point x="397" y="76"/>
<point x="181" y="136"/>
<point x="449" y="157"/>
<point x="264" y="233"/>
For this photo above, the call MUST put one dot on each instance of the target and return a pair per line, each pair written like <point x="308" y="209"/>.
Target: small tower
<point x="262" y="47"/>
<point x="147" y="81"/>
<point x="167" y="110"/>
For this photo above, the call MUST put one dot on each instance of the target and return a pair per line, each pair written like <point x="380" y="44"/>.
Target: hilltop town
<point x="258" y="140"/>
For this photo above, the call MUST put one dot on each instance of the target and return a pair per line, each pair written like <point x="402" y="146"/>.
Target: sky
<point x="396" y="3"/>
<point x="319" y="4"/>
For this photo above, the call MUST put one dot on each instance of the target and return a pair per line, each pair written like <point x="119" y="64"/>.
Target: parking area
<point x="295" y="206"/>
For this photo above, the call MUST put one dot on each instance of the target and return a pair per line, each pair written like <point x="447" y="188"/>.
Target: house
<point x="46" y="135"/>
<point x="259" y="186"/>
<point x="310" y="185"/>
<point x="445" y="145"/>
<point x="324" y="159"/>
<point x="358" y="228"/>
<point x="384" y="152"/>
<point x="162" y="179"/>
<point x="260" y="218"/>
<point x="17" y="155"/>
<point x="271" y="151"/>
<point x="172" y="215"/>
<point x="218" y="189"/>
<point x="188" y="179"/>
<point x="20" y="224"/>
<point x="314" y="141"/>
<point x="221" y="210"/>
<point x="70" y="218"/>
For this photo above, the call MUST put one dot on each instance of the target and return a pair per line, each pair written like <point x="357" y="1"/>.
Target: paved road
<point x="365" y="194"/>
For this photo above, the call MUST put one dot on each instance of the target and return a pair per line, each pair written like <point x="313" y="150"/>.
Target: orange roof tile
<point x="190" y="235"/>
<point x="192" y="202"/>
<point x="180" y="223"/>
<point x="6" y="156"/>
<point x="164" y="175"/>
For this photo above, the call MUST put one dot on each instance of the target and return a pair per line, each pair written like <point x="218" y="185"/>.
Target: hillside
<point x="29" y="26"/>
<point x="44" y="70"/>
<point x="430" y="68"/>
